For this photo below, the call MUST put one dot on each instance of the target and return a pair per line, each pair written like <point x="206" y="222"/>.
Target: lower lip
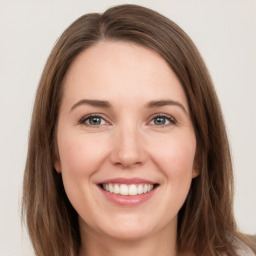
<point x="128" y="200"/>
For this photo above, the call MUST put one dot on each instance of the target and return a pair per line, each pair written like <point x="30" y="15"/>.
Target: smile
<point x="128" y="190"/>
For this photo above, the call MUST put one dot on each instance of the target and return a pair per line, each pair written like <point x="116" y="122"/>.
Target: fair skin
<point x="124" y="122"/>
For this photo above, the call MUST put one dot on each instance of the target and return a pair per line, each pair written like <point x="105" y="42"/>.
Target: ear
<point x="195" y="173"/>
<point x="56" y="155"/>
<point x="57" y="165"/>
<point x="197" y="164"/>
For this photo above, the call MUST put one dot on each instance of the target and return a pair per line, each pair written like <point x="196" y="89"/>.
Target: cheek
<point x="177" y="166"/>
<point x="80" y="156"/>
<point x="176" y="157"/>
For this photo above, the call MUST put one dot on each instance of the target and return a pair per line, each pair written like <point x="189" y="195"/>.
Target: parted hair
<point x="206" y="225"/>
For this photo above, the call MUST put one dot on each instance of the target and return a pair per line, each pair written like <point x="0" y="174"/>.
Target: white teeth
<point x="116" y="189"/>
<point x="145" y="188"/>
<point x="111" y="188"/>
<point x="124" y="190"/>
<point x="140" y="189"/>
<point x="131" y="190"/>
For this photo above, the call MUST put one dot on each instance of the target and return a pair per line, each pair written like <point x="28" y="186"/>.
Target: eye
<point x="93" y="120"/>
<point x="162" y="120"/>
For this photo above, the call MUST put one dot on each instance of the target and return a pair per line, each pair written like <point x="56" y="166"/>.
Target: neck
<point x="161" y="243"/>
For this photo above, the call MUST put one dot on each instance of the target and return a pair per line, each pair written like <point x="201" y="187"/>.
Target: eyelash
<point x="167" y="117"/>
<point x="88" y="117"/>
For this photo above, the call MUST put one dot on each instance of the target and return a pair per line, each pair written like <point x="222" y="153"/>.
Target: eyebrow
<point x="94" y="103"/>
<point x="106" y="104"/>
<point x="162" y="103"/>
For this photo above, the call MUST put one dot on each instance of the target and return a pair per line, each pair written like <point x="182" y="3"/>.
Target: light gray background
<point x="225" y="33"/>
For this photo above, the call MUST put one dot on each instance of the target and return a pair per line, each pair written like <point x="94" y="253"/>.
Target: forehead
<point x="119" y="69"/>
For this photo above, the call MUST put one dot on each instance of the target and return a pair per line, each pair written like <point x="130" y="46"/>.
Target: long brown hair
<point x="205" y="224"/>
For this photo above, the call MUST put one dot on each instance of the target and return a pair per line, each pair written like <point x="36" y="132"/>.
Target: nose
<point x="128" y="148"/>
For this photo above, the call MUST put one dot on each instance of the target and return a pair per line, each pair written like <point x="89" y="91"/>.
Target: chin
<point x="129" y="228"/>
<point x="129" y="235"/>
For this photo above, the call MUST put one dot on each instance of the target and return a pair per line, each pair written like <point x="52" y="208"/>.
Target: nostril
<point x="127" y="162"/>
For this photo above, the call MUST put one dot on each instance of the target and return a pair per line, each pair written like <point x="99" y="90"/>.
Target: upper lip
<point x="127" y="181"/>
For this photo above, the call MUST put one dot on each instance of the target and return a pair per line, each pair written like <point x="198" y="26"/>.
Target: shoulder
<point x="244" y="250"/>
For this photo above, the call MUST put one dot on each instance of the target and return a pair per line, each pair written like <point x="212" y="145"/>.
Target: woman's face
<point x="126" y="141"/>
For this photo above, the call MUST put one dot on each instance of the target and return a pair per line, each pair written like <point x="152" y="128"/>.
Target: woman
<point x="128" y="153"/>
